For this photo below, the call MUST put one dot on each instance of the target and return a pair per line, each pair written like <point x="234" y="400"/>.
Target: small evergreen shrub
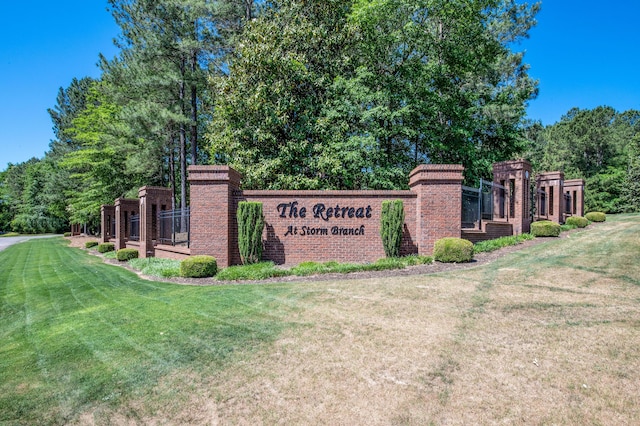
<point x="90" y="244"/>
<point x="391" y="224"/>
<point x="199" y="267"/>
<point x="250" y="227"/>
<point x="106" y="247"/>
<point x="453" y="250"/>
<point x="126" y="254"/>
<point x="596" y="216"/>
<point x="67" y="234"/>
<point x="545" y="228"/>
<point x="577" y="221"/>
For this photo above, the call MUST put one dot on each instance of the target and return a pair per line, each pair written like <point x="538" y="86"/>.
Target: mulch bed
<point x="433" y="268"/>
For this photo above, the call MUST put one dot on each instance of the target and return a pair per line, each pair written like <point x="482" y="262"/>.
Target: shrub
<point x="577" y="221"/>
<point x="545" y="228"/>
<point x="90" y="244"/>
<point x="391" y="224"/>
<point x="453" y="250"/>
<point x="596" y="216"/>
<point x="106" y="247"/>
<point x="126" y="254"/>
<point x="67" y="234"/>
<point x="250" y="227"/>
<point x="199" y="267"/>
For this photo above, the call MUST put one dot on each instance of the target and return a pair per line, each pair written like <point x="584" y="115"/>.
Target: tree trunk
<point x="194" y="108"/>
<point x="183" y="140"/>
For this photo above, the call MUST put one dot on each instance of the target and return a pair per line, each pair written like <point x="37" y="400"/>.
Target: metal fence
<point x="541" y="203"/>
<point x="174" y="227"/>
<point x="134" y="227"/>
<point x="568" y="203"/>
<point x="479" y="204"/>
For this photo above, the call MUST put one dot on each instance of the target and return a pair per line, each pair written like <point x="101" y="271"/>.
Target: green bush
<point x="126" y="254"/>
<point x="453" y="250"/>
<point x="67" y="234"/>
<point x="545" y="228"/>
<point x="90" y="244"/>
<point x="106" y="247"/>
<point x="391" y="224"/>
<point x="250" y="227"/>
<point x="199" y="267"/>
<point x="596" y="216"/>
<point x="577" y="221"/>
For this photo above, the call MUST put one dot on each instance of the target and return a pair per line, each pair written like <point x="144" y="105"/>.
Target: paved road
<point x="9" y="241"/>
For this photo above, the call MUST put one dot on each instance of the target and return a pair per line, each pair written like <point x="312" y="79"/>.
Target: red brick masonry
<point x="337" y="225"/>
<point x="323" y="225"/>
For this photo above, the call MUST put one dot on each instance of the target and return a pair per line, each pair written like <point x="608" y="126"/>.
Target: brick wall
<point x="322" y="225"/>
<point x="327" y="225"/>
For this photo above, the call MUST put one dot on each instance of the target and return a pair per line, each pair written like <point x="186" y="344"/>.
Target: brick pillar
<point x="552" y="183"/>
<point x="152" y="200"/>
<point x="439" y="203"/>
<point x="107" y="216"/>
<point x="575" y="188"/>
<point x="124" y="208"/>
<point x="515" y="176"/>
<point x="213" y="212"/>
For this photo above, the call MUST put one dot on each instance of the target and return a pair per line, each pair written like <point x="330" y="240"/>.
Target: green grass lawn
<point x="546" y="335"/>
<point x="76" y="332"/>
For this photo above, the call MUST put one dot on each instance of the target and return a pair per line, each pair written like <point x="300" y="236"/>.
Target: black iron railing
<point x="134" y="227"/>
<point x="174" y="227"/>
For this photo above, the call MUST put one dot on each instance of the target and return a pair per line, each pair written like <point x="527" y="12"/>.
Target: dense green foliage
<point x="250" y="228"/>
<point x="345" y="94"/>
<point x="596" y="216"/>
<point x="453" y="250"/>
<point x="600" y="146"/>
<point x="201" y="266"/>
<point x="577" y="221"/>
<point x="391" y="227"/>
<point x="126" y="254"/>
<point x="545" y="228"/>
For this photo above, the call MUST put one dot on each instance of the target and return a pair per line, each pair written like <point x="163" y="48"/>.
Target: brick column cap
<point x="211" y="174"/>
<point x="145" y="190"/>
<point x="511" y="165"/>
<point x="123" y="201"/>
<point x="436" y="173"/>
<point x="574" y="182"/>
<point x="547" y="176"/>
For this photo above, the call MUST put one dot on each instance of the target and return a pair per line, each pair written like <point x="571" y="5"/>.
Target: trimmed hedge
<point x="90" y="244"/>
<point x="391" y="224"/>
<point x="250" y="227"/>
<point x="577" y="221"/>
<point x="453" y="250"/>
<point x="596" y="216"/>
<point x="67" y="234"/>
<point x="201" y="266"/>
<point x="545" y="228"/>
<point x="106" y="247"/>
<point x="126" y="254"/>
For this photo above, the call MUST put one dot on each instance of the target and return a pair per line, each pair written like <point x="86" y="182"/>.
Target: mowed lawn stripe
<point x="78" y="332"/>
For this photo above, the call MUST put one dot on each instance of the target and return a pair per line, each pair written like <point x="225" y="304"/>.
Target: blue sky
<point x="584" y="53"/>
